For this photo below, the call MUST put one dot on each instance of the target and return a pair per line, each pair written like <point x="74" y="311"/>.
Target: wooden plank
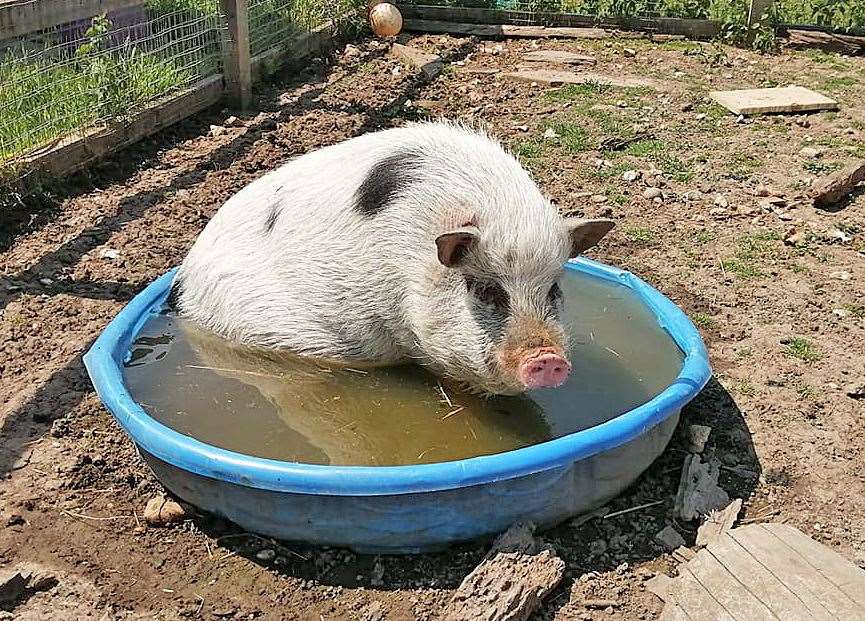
<point x="829" y="41"/>
<point x="768" y="100"/>
<point x="505" y="30"/>
<point x="430" y="65"/>
<point x="718" y="522"/>
<point x="726" y="589"/>
<point x="558" y="57"/>
<point x="796" y="573"/>
<point x="236" y="54"/>
<point x="691" y="28"/>
<point x="838" y="570"/>
<point x="76" y="152"/>
<point x="558" y="78"/>
<point x="832" y="188"/>
<point x="674" y="612"/>
<point x="767" y="587"/>
<point x="294" y="50"/>
<point x="696" y="601"/>
<point x="23" y="17"/>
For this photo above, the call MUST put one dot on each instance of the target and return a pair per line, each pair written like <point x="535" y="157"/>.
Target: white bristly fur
<point x="328" y="281"/>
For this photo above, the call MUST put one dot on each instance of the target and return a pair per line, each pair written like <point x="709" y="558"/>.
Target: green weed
<point x="802" y="349"/>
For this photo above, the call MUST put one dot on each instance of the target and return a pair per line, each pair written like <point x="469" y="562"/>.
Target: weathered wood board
<point x="769" y="100"/>
<point x="557" y="57"/>
<point x="764" y="572"/>
<point x="552" y="77"/>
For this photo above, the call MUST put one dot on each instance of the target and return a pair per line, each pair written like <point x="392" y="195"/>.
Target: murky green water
<point x="283" y="407"/>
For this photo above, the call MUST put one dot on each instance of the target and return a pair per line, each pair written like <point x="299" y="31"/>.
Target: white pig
<point x="428" y="243"/>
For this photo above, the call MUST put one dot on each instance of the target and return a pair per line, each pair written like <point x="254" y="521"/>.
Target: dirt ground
<point x="776" y="287"/>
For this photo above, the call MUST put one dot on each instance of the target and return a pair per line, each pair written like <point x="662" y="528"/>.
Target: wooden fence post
<point x="757" y="10"/>
<point x="236" y="55"/>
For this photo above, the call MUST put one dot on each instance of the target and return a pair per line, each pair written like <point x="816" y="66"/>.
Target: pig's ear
<point x="586" y="233"/>
<point x="453" y="245"/>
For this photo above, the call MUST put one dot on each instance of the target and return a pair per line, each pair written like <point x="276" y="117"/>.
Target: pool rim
<point x="104" y="363"/>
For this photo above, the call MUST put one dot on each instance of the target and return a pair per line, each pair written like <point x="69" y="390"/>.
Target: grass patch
<point x="741" y="166"/>
<point x="751" y="250"/>
<point x="820" y="168"/>
<point x="802" y="349"/>
<point x="642" y="148"/>
<point x="703" y="320"/>
<point x="704" y="236"/>
<point x="528" y="149"/>
<point x="804" y="391"/>
<point x="745" y="387"/>
<point x="745" y="352"/>
<point x="855" y="310"/>
<point x="673" y="166"/>
<point x="839" y="83"/>
<point x="574" y="138"/>
<point x="640" y="235"/>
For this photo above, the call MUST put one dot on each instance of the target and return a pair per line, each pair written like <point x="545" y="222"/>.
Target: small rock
<point x="670" y="538"/>
<point x="15" y="520"/>
<point x="696" y="438"/>
<point x="850" y="131"/>
<point x="46" y="281"/>
<point x="650" y="193"/>
<point x="266" y="555"/>
<point x="161" y="511"/>
<point x="856" y="391"/>
<point x="692" y="195"/>
<point x="803" y="122"/>
<point x="658" y="200"/>
<point x="408" y="103"/>
<point x="841" y="275"/>
<point x="233" y="121"/>
<point x="109" y="253"/>
<point x="809" y="152"/>
<point x="721" y="201"/>
<point x="838" y="235"/>
<point x="795" y="238"/>
<point x="687" y="107"/>
<point x="630" y="175"/>
<point x="217" y="130"/>
<point x="840" y="313"/>
<point x="522" y="128"/>
<point x="351" y="50"/>
<point x="599" y="198"/>
<point x="550" y="134"/>
<point x="762" y="190"/>
<point x="60" y="428"/>
<point x="629" y="52"/>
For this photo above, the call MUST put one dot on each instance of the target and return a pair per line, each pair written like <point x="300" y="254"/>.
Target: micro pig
<point x="426" y="243"/>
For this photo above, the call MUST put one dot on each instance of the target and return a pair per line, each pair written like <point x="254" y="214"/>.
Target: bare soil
<point x="784" y="322"/>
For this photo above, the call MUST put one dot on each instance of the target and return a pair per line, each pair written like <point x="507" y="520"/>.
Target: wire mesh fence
<point x="62" y="81"/>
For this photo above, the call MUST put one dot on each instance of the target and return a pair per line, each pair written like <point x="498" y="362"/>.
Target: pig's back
<point x="291" y="262"/>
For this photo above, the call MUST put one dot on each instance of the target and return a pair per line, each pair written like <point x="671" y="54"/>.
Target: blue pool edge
<point x="104" y="363"/>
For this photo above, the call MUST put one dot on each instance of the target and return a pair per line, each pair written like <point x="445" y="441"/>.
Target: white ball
<point x="385" y="19"/>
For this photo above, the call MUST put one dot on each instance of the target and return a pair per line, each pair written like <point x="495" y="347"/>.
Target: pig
<point x="427" y="243"/>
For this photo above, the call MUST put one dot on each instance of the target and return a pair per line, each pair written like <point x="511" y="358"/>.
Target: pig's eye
<point x="488" y="292"/>
<point x="555" y="294"/>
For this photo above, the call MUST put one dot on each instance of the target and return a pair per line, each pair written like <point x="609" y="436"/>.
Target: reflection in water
<point x="280" y="406"/>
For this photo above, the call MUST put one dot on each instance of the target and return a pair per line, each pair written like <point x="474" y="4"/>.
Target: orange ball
<point x="385" y="20"/>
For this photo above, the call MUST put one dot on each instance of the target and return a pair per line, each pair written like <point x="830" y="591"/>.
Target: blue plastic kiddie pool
<point x="400" y="509"/>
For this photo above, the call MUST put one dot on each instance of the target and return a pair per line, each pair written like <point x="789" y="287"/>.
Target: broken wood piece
<point x="558" y="78"/>
<point x="832" y="188"/>
<point x="773" y="100"/>
<point x="718" y="522"/>
<point x="504" y="30"/>
<point x="826" y="41"/>
<point x="699" y="493"/>
<point x="763" y="572"/>
<point x="430" y="65"/>
<point x="558" y="58"/>
<point x="511" y="581"/>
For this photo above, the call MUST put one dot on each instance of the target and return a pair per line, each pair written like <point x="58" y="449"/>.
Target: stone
<point x="161" y="511"/>
<point x="650" y="193"/>
<point x="809" y="152"/>
<point x="630" y="175"/>
<point x="696" y="437"/>
<point x="550" y="134"/>
<point x="670" y="538"/>
<point x="267" y="555"/>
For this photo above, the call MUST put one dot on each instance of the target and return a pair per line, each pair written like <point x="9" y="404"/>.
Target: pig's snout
<point x="543" y="368"/>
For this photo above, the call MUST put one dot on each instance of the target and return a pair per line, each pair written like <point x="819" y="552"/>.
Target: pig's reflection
<point x="374" y="416"/>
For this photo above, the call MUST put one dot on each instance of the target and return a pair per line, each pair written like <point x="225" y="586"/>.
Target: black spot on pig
<point x="385" y="181"/>
<point x="271" y="219"/>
